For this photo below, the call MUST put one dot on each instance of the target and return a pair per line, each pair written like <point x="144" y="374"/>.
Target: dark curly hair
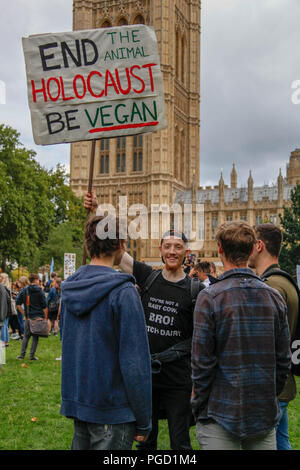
<point x="97" y="246"/>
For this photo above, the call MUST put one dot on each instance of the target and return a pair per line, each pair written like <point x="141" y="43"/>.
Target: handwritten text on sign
<point x="93" y="84"/>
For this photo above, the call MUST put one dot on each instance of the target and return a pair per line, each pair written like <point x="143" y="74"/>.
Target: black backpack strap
<point x="26" y="307"/>
<point x="295" y="369"/>
<point x="280" y="272"/>
<point x="196" y="287"/>
<point x="149" y="281"/>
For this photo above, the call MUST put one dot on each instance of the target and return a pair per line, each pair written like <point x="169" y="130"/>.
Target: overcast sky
<point x="250" y="56"/>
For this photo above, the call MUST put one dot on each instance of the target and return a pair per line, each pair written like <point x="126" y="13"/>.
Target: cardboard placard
<point x="93" y="84"/>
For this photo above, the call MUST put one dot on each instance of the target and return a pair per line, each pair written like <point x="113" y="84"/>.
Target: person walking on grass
<point x="5" y="281"/>
<point x="106" y="372"/>
<point x="240" y="352"/>
<point x="33" y="300"/>
<point x="53" y="302"/>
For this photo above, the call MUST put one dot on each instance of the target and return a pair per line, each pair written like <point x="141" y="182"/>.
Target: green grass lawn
<point x="34" y="392"/>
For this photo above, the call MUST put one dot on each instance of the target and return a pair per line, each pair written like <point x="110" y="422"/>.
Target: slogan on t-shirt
<point x="162" y="314"/>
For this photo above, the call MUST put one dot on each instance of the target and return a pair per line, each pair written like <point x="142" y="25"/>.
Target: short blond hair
<point x="237" y="240"/>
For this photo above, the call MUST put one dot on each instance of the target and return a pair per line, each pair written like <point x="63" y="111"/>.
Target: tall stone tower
<point x="293" y="168"/>
<point x="149" y="169"/>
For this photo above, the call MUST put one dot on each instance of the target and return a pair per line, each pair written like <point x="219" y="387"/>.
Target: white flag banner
<point x="69" y="264"/>
<point x="94" y="84"/>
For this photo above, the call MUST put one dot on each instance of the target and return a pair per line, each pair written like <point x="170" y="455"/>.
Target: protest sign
<point x="69" y="264"/>
<point x="94" y="84"/>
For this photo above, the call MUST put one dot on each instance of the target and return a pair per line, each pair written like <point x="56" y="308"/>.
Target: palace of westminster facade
<point x="163" y="168"/>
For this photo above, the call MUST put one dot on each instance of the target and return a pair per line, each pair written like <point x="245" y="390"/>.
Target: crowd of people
<point x="223" y="362"/>
<point x="29" y="298"/>
<point x="139" y="344"/>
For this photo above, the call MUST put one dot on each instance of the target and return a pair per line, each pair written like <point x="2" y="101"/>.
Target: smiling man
<point x="167" y="299"/>
<point x="168" y="307"/>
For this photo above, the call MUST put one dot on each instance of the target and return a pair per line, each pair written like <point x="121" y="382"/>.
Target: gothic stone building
<point x="163" y="167"/>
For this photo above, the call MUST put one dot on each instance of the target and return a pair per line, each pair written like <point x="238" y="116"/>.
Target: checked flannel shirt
<point x="240" y="354"/>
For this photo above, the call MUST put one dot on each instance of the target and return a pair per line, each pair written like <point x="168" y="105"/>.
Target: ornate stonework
<point x="153" y="169"/>
<point x="163" y="168"/>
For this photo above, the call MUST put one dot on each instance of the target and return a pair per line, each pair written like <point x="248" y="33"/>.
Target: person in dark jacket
<point x="264" y="260"/>
<point x="240" y="353"/>
<point x="34" y="302"/>
<point x="106" y="372"/>
<point x="53" y="303"/>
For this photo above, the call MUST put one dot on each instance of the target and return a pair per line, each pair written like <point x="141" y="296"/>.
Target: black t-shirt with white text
<point x="169" y="318"/>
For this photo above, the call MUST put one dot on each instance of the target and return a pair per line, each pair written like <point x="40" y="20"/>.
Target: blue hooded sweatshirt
<point x="106" y="372"/>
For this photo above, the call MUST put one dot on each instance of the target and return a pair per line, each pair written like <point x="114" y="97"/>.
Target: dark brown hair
<point x="96" y="246"/>
<point x="271" y="235"/>
<point x="203" y="266"/>
<point x="33" y="277"/>
<point x="237" y="240"/>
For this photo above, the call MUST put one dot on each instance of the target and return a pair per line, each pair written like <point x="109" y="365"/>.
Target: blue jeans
<point x="93" y="436"/>
<point x="282" y="428"/>
<point x="4" y="331"/>
<point x="21" y="323"/>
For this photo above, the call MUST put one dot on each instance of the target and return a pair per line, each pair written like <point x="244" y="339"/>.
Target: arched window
<point x="121" y="155"/>
<point x="122" y="21"/>
<point x="138" y="153"/>
<point x="183" y="54"/>
<point x="182" y="156"/>
<point x="106" y="24"/>
<point x="176" y="153"/>
<point x="139" y="19"/>
<point x="177" y="53"/>
<point x="104" y="156"/>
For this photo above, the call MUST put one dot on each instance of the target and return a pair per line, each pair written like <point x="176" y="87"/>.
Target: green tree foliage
<point x="290" y="253"/>
<point x="33" y="201"/>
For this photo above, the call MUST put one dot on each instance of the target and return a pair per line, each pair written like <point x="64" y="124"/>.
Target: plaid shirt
<point x="240" y="354"/>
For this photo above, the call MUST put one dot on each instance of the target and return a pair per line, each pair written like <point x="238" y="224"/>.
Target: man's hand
<point x="139" y="438"/>
<point x="91" y="201"/>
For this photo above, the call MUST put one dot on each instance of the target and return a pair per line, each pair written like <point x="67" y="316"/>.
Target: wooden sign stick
<point x="91" y="174"/>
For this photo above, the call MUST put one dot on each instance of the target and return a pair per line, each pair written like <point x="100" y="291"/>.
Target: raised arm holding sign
<point x="94" y="84"/>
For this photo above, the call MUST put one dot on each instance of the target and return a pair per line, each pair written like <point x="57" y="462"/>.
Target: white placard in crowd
<point x="69" y="264"/>
<point x="94" y="84"/>
<point x="298" y="275"/>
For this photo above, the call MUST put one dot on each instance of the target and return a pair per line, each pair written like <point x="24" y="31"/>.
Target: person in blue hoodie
<point x="106" y="373"/>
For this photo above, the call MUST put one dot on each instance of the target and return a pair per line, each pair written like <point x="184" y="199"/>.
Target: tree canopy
<point x="290" y="221"/>
<point x="33" y="202"/>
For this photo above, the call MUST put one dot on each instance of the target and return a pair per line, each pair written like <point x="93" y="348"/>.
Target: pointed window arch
<point x="182" y="156"/>
<point x="177" y="53"/>
<point x="139" y="19"/>
<point x="183" y="58"/>
<point x="106" y="24"/>
<point x="122" y="21"/>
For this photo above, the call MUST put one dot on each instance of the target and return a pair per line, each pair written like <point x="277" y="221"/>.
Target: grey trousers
<point x="92" y="436"/>
<point x="212" y="436"/>
<point x="35" y="340"/>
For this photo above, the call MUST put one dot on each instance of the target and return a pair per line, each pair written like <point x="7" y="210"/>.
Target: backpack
<point x="4" y="304"/>
<point x="196" y="285"/>
<point x="295" y="345"/>
<point x="47" y="287"/>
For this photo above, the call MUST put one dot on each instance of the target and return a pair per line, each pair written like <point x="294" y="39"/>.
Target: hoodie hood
<point x="89" y="286"/>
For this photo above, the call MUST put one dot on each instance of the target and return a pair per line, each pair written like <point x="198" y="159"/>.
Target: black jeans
<point x="177" y="408"/>
<point x="93" y="436"/>
<point x="35" y="340"/>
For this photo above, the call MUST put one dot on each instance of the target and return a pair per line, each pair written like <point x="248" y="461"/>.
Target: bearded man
<point x="168" y="307"/>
